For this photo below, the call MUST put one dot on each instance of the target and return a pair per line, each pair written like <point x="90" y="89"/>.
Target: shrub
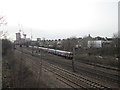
<point x="6" y="46"/>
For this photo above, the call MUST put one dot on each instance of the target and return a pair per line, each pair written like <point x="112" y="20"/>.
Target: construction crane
<point x="21" y="31"/>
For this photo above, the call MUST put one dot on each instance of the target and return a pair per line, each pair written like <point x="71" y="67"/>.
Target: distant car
<point x="20" y="45"/>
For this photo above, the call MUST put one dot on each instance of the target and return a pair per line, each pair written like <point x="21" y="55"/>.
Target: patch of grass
<point x="105" y="60"/>
<point x="17" y="76"/>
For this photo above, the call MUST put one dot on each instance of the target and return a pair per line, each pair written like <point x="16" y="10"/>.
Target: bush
<point x="6" y="46"/>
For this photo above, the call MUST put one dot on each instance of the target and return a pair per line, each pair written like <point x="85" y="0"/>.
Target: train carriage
<point x="65" y="54"/>
<point x="51" y="51"/>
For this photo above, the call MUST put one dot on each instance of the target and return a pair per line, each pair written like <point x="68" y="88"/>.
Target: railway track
<point x="93" y="72"/>
<point x="99" y="74"/>
<point x="97" y="65"/>
<point x="86" y="72"/>
<point x="73" y="79"/>
<point x="61" y="77"/>
<point x="93" y="64"/>
<point x="107" y="77"/>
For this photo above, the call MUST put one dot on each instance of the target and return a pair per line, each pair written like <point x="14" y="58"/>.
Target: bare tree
<point x="3" y="22"/>
<point x="116" y="43"/>
<point x="115" y="39"/>
<point x="69" y="43"/>
<point x="55" y="44"/>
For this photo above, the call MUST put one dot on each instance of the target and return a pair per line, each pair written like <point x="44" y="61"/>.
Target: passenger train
<point x="65" y="54"/>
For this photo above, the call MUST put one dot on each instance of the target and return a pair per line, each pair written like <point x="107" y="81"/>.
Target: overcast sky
<point x="53" y="19"/>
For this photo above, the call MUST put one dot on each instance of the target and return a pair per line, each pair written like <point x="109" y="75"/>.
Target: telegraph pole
<point x="32" y="44"/>
<point x="40" y="64"/>
<point x="73" y="59"/>
<point x="40" y="69"/>
<point x="21" y="69"/>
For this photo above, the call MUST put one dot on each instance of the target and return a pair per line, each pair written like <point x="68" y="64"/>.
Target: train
<point x="61" y="53"/>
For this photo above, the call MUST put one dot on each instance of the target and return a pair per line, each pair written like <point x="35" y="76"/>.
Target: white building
<point x="98" y="43"/>
<point x="95" y="43"/>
